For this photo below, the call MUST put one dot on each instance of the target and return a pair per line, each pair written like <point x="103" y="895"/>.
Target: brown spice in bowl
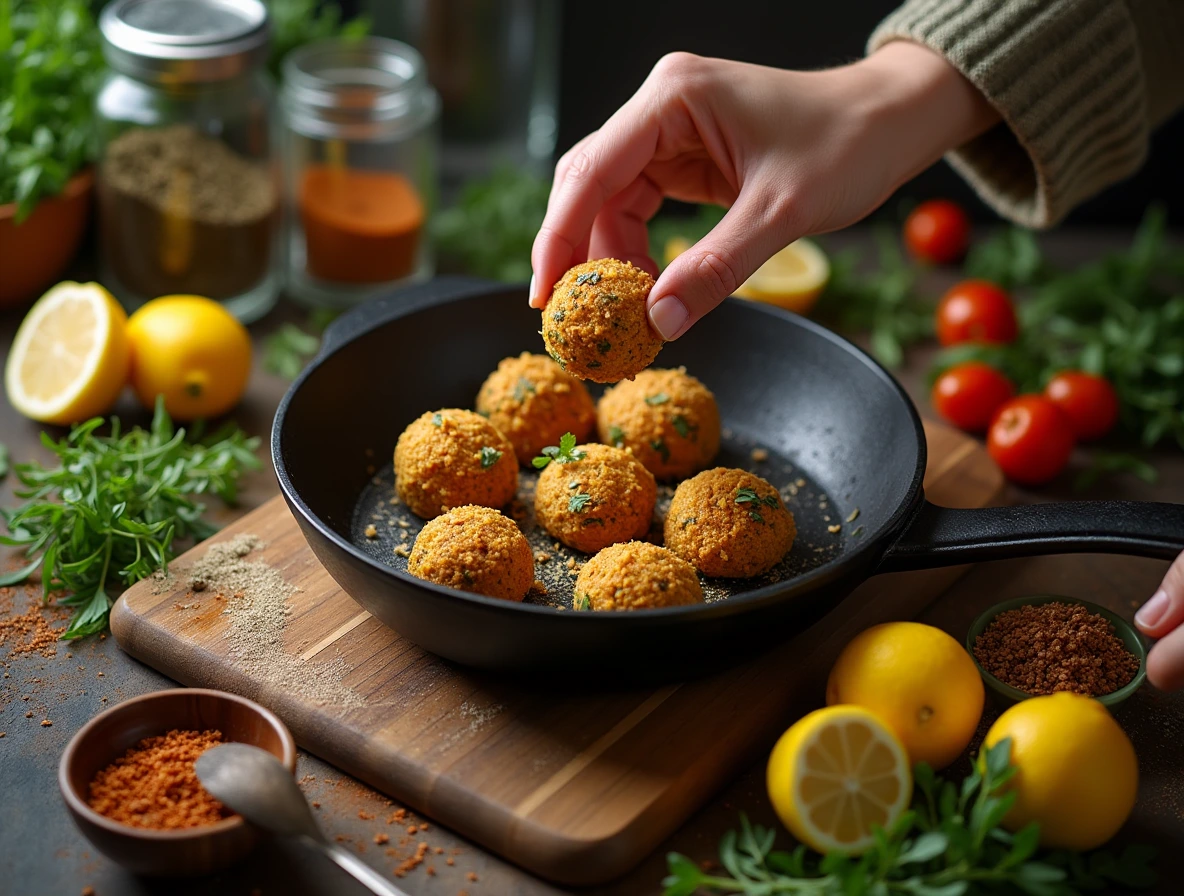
<point x="1045" y="648"/>
<point x="153" y="785"/>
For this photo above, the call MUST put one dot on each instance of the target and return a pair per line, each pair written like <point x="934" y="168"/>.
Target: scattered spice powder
<point x="1055" y="647"/>
<point x="380" y="839"/>
<point x="413" y="861"/>
<point x="153" y="785"/>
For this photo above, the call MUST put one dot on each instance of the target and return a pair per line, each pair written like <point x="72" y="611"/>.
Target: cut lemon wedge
<point x="70" y="357"/>
<point x="837" y="774"/>
<point x="791" y="279"/>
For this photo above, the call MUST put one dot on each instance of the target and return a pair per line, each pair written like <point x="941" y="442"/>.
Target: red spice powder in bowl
<point x="1043" y="644"/>
<point x="166" y="822"/>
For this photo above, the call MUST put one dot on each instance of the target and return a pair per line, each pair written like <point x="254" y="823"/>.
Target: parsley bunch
<point x="50" y="66"/>
<point x="1121" y="317"/>
<point x="948" y="844"/>
<point x="114" y="505"/>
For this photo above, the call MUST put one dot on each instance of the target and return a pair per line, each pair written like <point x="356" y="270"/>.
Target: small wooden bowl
<point x="1127" y="633"/>
<point x="110" y="734"/>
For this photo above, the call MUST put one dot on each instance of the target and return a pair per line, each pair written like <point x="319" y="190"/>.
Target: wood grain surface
<point x="574" y="786"/>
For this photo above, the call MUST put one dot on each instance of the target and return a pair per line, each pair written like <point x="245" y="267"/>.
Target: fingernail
<point x="668" y="315"/>
<point x="1152" y="611"/>
<point x="530" y="291"/>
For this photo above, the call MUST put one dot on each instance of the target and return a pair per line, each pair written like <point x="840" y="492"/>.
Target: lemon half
<point x="792" y="279"/>
<point x="836" y="774"/>
<point x="70" y="357"/>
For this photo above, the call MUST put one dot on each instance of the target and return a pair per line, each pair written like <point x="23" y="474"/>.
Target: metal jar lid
<point x="184" y="41"/>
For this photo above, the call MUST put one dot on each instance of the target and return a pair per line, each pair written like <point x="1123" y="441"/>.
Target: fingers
<point x="755" y="228"/>
<point x="620" y="230"/>
<point x="587" y="177"/>
<point x="1163" y="617"/>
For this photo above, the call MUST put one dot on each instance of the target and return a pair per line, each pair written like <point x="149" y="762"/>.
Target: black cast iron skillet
<point x="788" y="383"/>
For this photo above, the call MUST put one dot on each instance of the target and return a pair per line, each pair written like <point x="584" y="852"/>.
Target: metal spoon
<point x="256" y="785"/>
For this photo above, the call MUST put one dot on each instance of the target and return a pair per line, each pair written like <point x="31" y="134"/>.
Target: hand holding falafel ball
<point x="595" y="325"/>
<point x="593" y="496"/>
<point x="473" y="548"/>
<point x="534" y="402"/>
<point x="636" y="575"/>
<point x="667" y="418"/>
<point x="451" y="457"/>
<point x="729" y="523"/>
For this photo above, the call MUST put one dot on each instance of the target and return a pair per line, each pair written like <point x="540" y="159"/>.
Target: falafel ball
<point x="603" y="497"/>
<point x="477" y="549"/>
<point x="729" y="524"/>
<point x="636" y="575"/>
<point x="595" y="324"/>
<point x="667" y="418"/>
<point x="449" y="458"/>
<point x="533" y="401"/>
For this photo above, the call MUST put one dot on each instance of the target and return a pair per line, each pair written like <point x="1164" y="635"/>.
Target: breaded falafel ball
<point x="636" y="575"/>
<point x="594" y="497"/>
<point x="449" y="458"/>
<point x="729" y="524"/>
<point x="667" y="418"/>
<point x="475" y="549"/>
<point x="533" y="401"/>
<point x="595" y="324"/>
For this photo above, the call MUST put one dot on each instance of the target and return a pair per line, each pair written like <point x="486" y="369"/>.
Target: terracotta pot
<point x="39" y="248"/>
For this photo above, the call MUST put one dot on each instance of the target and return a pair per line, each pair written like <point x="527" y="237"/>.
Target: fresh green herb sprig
<point x="578" y="503"/>
<point x="490" y="230"/>
<point x="489" y="457"/>
<point x="296" y="22"/>
<point x="565" y="453"/>
<point x="50" y="67"/>
<point x="1121" y="317"/>
<point x="882" y="302"/>
<point x="290" y="348"/>
<point x="949" y="844"/>
<point x="113" y="507"/>
<point x="3" y="460"/>
<point x="754" y="501"/>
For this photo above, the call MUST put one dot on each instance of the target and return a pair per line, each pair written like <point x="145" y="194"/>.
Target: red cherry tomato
<point x="937" y="231"/>
<point x="1090" y="403"/>
<point x="969" y="394"/>
<point x="1030" y="439"/>
<point x="976" y="311"/>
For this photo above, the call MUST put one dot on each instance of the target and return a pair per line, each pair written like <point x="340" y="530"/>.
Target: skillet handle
<point x="943" y="536"/>
<point x="400" y="302"/>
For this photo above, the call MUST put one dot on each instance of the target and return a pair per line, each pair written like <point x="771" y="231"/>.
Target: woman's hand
<point x="1163" y="617"/>
<point x="790" y="154"/>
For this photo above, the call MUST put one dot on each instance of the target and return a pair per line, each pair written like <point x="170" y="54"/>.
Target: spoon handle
<point x="363" y="873"/>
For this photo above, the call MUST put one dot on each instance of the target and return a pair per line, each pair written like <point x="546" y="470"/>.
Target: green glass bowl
<point x="1130" y="636"/>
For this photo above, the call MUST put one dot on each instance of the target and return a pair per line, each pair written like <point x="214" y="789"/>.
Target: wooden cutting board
<point x="574" y="786"/>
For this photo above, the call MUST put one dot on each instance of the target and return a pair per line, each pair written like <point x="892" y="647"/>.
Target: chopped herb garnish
<point x="747" y="495"/>
<point x="690" y="519"/>
<point x="857" y="531"/>
<point x="659" y="445"/>
<point x="581" y="602"/>
<point x="489" y="457"/>
<point x="616" y="436"/>
<point x="660" y="398"/>
<point x="852" y="516"/>
<point x="579" y="502"/>
<point x="592" y="277"/>
<point x="555" y="336"/>
<point x="437" y="420"/>
<point x="603" y="347"/>
<point x="609" y="297"/>
<point x="573" y="484"/>
<point x="565" y="453"/>
<point x="573" y="292"/>
<point x="770" y="500"/>
<point x="756" y="516"/>
<point x="523" y="388"/>
<point x="558" y="316"/>
<point x="683" y="428"/>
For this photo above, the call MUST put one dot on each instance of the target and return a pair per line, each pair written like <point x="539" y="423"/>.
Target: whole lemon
<point x="919" y="680"/>
<point x="1076" y="769"/>
<point x="192" y="351"/>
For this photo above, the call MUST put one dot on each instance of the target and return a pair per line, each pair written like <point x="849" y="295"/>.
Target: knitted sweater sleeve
<point x="1078" y="84"/>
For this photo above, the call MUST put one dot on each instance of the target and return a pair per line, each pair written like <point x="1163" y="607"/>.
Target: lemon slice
<point x="835" y="775"/>
<point x="70" y="357"/>
<point x="791" y="279"/>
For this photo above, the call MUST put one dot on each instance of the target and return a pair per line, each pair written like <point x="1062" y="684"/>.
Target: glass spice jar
<point x="360" y="149"/>
<point x="188" y="195"/>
